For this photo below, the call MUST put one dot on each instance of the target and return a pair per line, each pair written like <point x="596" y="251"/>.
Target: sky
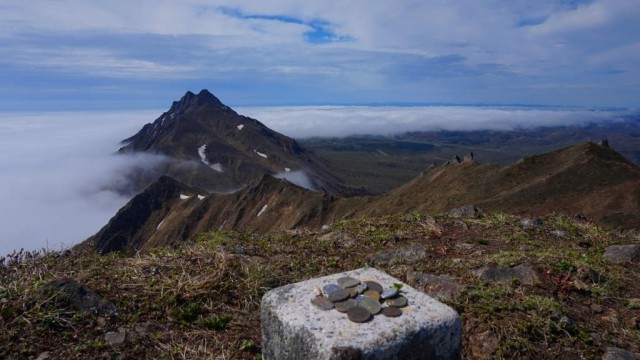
<point x="88" y="55"/>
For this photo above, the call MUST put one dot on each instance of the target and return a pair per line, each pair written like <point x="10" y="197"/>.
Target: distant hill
<point x="586" y="179"/>
<point x="221" y="150"/>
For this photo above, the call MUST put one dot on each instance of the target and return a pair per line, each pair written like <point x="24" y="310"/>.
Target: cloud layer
<point x="60" y="177"/>
<point x="72" y="54"/>
<point x="61" y="182"/>
<point x="340" y="121"/>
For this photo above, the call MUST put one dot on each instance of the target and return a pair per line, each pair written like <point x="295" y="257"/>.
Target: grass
<point x="200" y="299"/>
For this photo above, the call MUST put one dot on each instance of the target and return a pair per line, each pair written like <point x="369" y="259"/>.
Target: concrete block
<point x="292" y="328"/>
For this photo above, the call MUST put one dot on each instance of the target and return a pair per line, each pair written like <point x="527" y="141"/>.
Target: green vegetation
<point x="200" y="299"/>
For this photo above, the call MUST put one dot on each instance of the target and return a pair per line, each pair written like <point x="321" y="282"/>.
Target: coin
<point x="391" y="311"/>
<point x="358" y="298"/>
<point x="361" y="288"/>
<point x="373" y="306"/>
<point x="322" y="303"/>
<point x="344" y="306"/>
<point x="348" y="281"/>
<point x="358" y="314"/>
<point x="372" y="285"/>
<point x="338" y="295"/>
<point x="327" y="289"/>
<point x="353" y="292"/>
<point x="389" y="293"/>
<point x="372" y="294"/>
<point x="399" y="301"/>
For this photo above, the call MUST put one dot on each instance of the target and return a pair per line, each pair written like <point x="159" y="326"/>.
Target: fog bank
<point x="339" y="121"/>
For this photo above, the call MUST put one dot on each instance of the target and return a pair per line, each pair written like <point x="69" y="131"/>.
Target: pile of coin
<point x="360" y="300"/>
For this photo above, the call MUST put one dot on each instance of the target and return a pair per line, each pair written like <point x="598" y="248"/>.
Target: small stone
<point x="389" y="293"/>
<point x="623" y="253"/>
<point x="347" y="282"/>
<point x="560" y="233"/>
<point x="399" y="301"/>
<point x="563" y="321"/>
<point x="465" y="212"/>
<point x="116" y="337"/>
<point x="328" y="289"/>
<point x="338" y="295"/>
<point x="44" y="356"/>
<point x="358" y="314"/>
<point x="483" y="345"/>
<point x="372" y="285"/>
<point x="528" y="223"/>
<point x="322" y="303"/>
<point x="372" y="294"/>
<point x="596" y="308"/>
<point x="408" y="254"/>
<point x="391" y="311"/>
<point x="317" y="292"/>
<point x="619" y="354"/>
<point x="371" y="305"/>
<point x="344" y="306"/>
<point x="524" y="274"/>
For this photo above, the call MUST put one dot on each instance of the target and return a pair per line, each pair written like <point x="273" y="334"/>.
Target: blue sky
<point x="79" y="55"/>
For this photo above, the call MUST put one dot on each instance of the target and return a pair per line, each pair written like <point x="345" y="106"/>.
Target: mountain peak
<point x="191" y="100"/>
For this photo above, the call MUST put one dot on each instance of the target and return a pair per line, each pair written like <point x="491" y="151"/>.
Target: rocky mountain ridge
<point x="586" y="179"/>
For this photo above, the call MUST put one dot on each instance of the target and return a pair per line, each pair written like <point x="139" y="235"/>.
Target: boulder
<point x="67" y="293"/>
<point x="294" y="329"/>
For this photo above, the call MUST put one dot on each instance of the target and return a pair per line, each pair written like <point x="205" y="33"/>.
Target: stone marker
<point x="292" y="328"/>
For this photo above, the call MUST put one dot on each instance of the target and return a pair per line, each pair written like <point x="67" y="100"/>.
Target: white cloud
<point x="60" y="175"/>
<point x="487" y="45"/>
<point x="339" y="121"/>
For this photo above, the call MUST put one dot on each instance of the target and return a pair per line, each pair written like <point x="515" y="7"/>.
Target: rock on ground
<point x="483" y="345"/>
<point x="465" y="212"/>
<point x="442" y="287"/>
<point x="523" y="273"/>
<point x="70" y="293"/>
<point x="408" y="254"/>
<point x="619" y="354"/>
<point x="623" y="253"/>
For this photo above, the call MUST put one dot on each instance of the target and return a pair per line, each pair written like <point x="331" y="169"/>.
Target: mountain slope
<point x="168" y="212"/>
<point x="589" y="179"/>
<point x="230" y="150"/>
<point x="584" y="179"/>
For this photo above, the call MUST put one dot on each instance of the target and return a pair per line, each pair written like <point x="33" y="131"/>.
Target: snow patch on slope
<point x="240" y="126"/>
<point x="184" y="197"/>
<point x="264" y="208"/>
<point x="160" y="224"/>
<point x="200" y="197"/>
<point x="259" y="153"/>
<point x="203" y="157"/>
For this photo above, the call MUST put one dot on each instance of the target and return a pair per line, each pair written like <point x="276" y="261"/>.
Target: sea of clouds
<point x="61" y="181"/>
